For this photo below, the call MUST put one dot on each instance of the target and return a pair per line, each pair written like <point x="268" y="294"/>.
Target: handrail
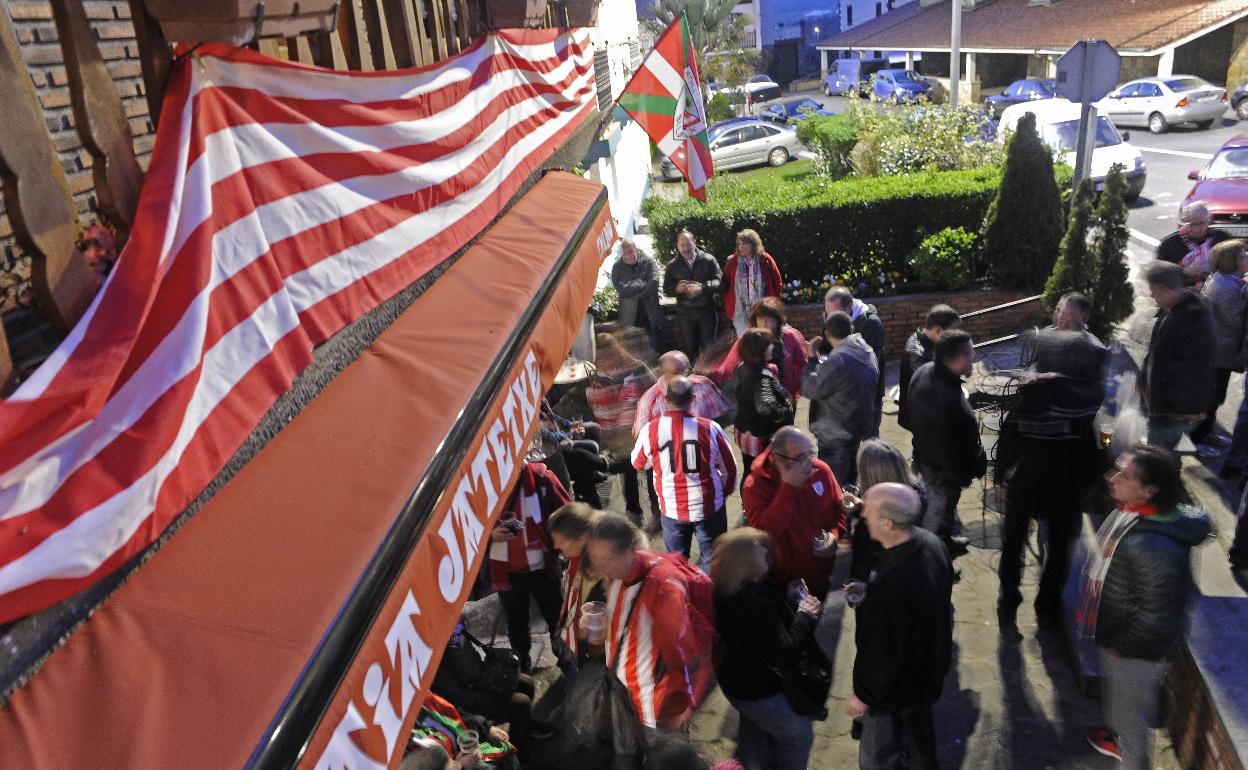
<point x="1005" y="306"/>
<point x="287" y="737"/>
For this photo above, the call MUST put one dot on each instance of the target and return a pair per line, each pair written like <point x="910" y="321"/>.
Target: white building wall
<point x="857" y="12"/>
<point x="753" y="10"/>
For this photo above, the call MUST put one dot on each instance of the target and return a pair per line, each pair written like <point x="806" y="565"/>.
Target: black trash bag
<point x="601" y="728"/>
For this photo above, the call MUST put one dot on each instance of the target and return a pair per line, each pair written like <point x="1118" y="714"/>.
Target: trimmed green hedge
<point x="860" y="227"/>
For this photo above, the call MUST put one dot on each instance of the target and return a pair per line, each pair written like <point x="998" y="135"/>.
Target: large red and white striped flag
<point x="282" y="203"/>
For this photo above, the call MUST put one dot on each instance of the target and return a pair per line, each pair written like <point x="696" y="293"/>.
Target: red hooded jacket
<point x="771" y="280"/>
<point x="793" y="517"/>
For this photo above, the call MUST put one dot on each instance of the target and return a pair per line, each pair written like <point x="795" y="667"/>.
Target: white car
<point x="1158" y="103"/>
<point x="1057" y="121"/>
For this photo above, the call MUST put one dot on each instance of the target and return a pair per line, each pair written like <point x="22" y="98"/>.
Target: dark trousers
<point x="942" y="501"/>
<point x="842" y="458"/>
<point x="1239" y="546"/>
<point x="584" y="463"/>
<point x="1062" y="528"/>
<point x="1221" y="380"/>
<point x="886" y="735"/>
<point x="543" y="586"/>
<point x="697" y="331"/>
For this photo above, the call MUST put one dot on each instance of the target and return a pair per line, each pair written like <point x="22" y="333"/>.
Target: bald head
<point x="679" y="392"/>
<point x="891" y="511"/>
<point x="792" y="440"/>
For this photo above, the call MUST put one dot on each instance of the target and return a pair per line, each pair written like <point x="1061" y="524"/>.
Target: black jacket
<point x="760" y="633"/>
<point x="1146" y="587"/>
<point x="706" y="271"/>
<point x="919" y="351"/>
<point x="946" y="433"/>
<point x="1173" y="248"/>
<point x="1177" y="377"/>
<point x="904" y="629"/>
<point x="763" y="406"/>
<point x="869" y="325"/>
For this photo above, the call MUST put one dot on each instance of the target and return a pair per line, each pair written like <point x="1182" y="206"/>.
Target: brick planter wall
<point x="903" y="314"/>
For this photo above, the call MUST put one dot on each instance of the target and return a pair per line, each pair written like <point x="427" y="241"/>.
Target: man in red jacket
<point x="793" y="496"/>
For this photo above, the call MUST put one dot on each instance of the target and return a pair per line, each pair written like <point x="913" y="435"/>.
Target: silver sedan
<point x="1159" y="103"/>
<point x="745" y="142"/>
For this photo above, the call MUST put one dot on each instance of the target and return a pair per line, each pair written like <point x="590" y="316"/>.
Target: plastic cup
<point x="855" y="592"/>
<point x="469" y="742"/>
<point x="594" y="621"/>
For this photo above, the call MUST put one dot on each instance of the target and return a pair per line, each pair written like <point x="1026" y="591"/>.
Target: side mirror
<point x="1112" y="95"/>
<point x="1193" y="175"/>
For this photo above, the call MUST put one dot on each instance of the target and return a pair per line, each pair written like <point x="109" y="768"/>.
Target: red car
<point x="1223" y="185"/>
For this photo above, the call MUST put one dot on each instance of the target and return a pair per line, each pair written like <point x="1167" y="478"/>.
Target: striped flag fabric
<point x="282" y="203"/>
<point x="664" y="96"/>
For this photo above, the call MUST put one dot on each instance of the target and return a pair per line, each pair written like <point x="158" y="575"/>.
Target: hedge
<point x="858" y="226"/>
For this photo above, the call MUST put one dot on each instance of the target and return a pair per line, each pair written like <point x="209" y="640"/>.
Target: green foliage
<point x="945" y="260"/>
<point x="713" y="29"/>
<point x="1074" y="269"/>
<point x="850" y="230"/>
<point x="1112" y="296"/>
<point x="1023" y="228"/>
<point x="832" y="138"/>
<point x="905" y="139"/>
<point x="719" y="108"/>
<point x="605" y="303"/>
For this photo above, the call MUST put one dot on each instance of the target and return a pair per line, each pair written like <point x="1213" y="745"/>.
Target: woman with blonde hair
<point x="749" y="275"/>
<point x="762" y="635"/>
<point x="878" y="462"/>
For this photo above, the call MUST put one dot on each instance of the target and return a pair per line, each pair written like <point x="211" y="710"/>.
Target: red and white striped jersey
<point x="694" y="469"/>
<point x="708" y="402"/>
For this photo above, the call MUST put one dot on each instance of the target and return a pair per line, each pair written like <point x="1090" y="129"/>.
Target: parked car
<point x="1026" y="90"/>
<point x="852" y="75"/>
<point x="1159" y="103"/>
<point x="747" y="96"/>
<point x="787" y="110"/>
<point x="1057" y="121"/>
<point x="1239" y="102"/>
<point x="742" y="142"/>
<point x="900" y="86"/>
<point x="1223" y="185"/>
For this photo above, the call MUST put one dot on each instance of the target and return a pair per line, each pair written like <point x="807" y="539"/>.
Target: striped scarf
<point x="1108" y="537"/>
<point x="537" y="495"/>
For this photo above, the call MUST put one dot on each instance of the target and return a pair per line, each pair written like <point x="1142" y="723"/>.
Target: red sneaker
<point x="1103" y="741"/>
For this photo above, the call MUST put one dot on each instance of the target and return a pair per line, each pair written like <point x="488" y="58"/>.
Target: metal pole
<point x="1087" y="120"/>
<point x="955" y="53"/>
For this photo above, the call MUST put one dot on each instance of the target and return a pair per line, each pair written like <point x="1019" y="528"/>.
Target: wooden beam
<point x="378" y="34"/>
<point x="36" y="194"/>
<point x="155" y="57"/>
<point x="405" y="32"/>
<point x="99" y="116"/>
<point x="358" y="48"/>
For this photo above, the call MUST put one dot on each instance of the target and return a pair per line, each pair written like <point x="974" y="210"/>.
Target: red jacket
<point x="793" y="517"/>
<point x="771" y="280"/>
<point x="796" y="351"/>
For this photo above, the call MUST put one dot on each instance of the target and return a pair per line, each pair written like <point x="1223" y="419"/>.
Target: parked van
<point x="852" y="75"/>
<point x="1057" y="121"/>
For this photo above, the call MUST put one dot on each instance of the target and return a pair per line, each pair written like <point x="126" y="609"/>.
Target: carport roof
<point x="1136" y="27"/>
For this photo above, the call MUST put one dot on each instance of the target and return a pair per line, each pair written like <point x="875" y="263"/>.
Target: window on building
<point x="849" y="15"/>
<point x="879" y="9"/>
<point x="890" y="5"/>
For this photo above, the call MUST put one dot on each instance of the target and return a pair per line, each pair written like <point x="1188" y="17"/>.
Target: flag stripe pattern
<point x="282" y="203"/>
<point x="665" y="98"/>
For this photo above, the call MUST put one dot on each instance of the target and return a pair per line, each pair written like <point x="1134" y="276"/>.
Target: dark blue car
<point x="1026" y="90"/>
<point x="900" y="86"/>
<point x="788" y="110"/>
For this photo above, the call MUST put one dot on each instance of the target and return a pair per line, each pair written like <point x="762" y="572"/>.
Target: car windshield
<point x="1228" y="164"/>
<point x="907" y="76"/>
<point x="806" y="104"/>
<point x="1043" y="87"/>
<point x="1179" y="85"/>
<point x="1065" y="135"/>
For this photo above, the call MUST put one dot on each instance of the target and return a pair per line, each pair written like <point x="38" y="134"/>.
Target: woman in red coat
<point x="749" y="275"/>
<point x="789" y="353"/>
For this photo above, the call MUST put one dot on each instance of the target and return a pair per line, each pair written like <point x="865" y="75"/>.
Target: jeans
<point x="678" y="535"/>
<point x="771" y="736"/>
<point x="1131" y="699"/>
<point x="886" y="734"/>
<point x="1167" y="432"/>
<point x="1239" y="545"/>
<point x="842" y="458"/>
<point x="697" y="330"/>
<point x="1062" y="528"/>
<point x="942" y="501"/>
<point x="543" y="586"/>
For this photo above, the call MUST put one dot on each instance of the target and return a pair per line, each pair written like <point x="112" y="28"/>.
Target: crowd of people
<point x="643" y="635"/>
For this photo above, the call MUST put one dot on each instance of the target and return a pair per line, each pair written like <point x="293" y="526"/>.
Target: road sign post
<point x="1085" y="73"/>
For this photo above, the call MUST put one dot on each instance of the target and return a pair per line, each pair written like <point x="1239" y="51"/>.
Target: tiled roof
<point x="1014" y="25"/>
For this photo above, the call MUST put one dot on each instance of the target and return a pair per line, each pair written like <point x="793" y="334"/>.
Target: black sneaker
<point x="957" y="544"/>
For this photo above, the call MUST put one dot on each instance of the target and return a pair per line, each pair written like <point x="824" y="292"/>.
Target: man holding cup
<point x="904" y="634"/>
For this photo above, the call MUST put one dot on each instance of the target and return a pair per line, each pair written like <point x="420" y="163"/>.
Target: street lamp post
<point x="955" y="53"/>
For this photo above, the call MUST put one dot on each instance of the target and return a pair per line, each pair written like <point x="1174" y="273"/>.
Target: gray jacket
<point x="843" y="385"/>
<point x="1225" y="294"/>
<point x="638" y="287"/>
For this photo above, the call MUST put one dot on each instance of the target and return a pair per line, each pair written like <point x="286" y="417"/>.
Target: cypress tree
<point x="1023" y="228"/>
<point x="1112" y="297"/>
<point x="1074" y="269"/>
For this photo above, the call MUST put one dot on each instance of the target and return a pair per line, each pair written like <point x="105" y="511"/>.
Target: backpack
<point x="702" y="619"/>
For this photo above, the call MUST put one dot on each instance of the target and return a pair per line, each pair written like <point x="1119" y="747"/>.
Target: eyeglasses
<point x="800" y="458"/>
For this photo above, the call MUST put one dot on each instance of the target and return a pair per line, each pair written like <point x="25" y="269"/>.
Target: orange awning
<point x="302" y="612"/>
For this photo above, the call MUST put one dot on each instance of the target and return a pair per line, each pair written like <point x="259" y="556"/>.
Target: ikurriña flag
<point x="665" y="98"/>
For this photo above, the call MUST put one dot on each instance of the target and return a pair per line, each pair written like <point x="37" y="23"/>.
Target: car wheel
<point x="1131" y="197"/>
<point x="826" y="91"/>
<point x="1157" y="123"/>
<point x="1202" y="124"/>
<point x="1241" y="110"/>
<point x="778" y="157"/>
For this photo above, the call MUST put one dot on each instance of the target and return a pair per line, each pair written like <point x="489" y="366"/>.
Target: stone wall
<point x="41" y="53"/>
